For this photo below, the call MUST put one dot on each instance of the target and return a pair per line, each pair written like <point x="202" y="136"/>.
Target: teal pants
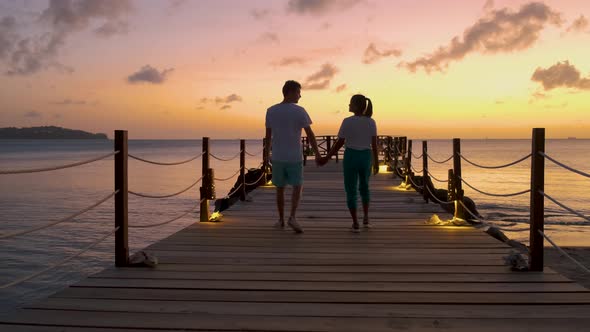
<point x="357" y="169"/>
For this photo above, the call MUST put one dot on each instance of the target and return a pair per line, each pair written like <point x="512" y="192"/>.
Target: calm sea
<point x="29" y="200"/>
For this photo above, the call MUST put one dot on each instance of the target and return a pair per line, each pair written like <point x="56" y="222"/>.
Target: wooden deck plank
<point x="531" y="298"/>
<point x="242" y="274"/>
<point x="194" y="321"/>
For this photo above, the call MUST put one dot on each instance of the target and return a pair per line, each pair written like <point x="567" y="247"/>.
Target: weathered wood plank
<point x="195" y="321"/>
<point x="323" y="296"/>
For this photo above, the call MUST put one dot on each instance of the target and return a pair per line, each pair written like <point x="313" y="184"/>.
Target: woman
<point x="359" y="134"/>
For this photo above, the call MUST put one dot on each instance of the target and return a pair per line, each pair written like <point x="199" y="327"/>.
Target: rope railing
<point x="228" y="178"/>
<point x="415" y="170"/>
<point x="439" y="162"/>
<point x="165" y="163"/>
<point x="495" y="195"/>
<point x="565" y="166"/>
<point x="255" y="182"/>
<point x="414" y="184"/>
<point x="417" y="157"/>
<point x="234" y="191"/>
<point x="55" y="168"/>
<point x="564" y="253"/>
<point x="433" y="177"/>
<point x="171" y="220"/>
<point x="60" y="263"/>
<point x="222" y="159"/>
<point x="33" y="229"/>
<point x="254" y="154"/>
<point x="564" y="206"/>
<point x="166" y="196"/>
<point x="436" y="199"/>
<point x="496" y="167"/>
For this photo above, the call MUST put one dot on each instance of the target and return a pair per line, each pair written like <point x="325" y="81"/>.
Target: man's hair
<point x="290" y="86"/>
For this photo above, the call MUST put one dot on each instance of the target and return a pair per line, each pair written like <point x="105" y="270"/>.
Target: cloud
<point x="269" y="37"/>
<point x="260" y="14"/>
<point x="33" y="114"/>
<point x="112" y="28"/>
<point x="149" y="74"/>
<point x="226" y="101"/>
<point x="341" y="88"/>
<point x="69" y="102"/>
<point x="488" y="6"/>
<point x="229" y="99"/>
<point x="288" y="61"/>
<point x="372" y="54"/>
<point x="321" y="79"/>
<point x="561" y="75"/>
<point x="500" y="31"/>
<point x="175" y="4"/>
<point x="26" y="55"/>
<point x="581" y="24"/>
<point x="319" y="7"/>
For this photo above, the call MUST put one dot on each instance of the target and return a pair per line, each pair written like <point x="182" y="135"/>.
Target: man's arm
<point x="375" y="155"/>
<point x="312" y="141"/>
<point x="268" y="142"/>
<point x="335" y="148"/>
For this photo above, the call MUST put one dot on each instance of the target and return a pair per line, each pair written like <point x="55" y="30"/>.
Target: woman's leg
<point x="350" y="182"/>
<point x="364" y="173"/>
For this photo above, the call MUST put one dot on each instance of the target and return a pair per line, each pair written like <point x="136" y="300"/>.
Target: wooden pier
<point x="244" y="275"/>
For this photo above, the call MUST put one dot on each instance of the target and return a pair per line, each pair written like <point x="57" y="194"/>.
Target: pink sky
<point x="187" y="69"/>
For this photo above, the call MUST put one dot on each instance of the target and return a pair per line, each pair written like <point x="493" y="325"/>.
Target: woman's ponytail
<point x="369" y="108"/>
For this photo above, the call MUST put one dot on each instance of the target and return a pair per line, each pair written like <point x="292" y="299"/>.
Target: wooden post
<point x="121" y="206"/>
<point x="537" y="220"/>
<point x="451" y="186"/>
<point x="409" y="159"/>
<point x="425" y="177"/>
<point x="388" y="152"/>
<point x="243" y="169"/>
<point x="204" y="209"/>
<point x="395" y="154"/>
<point x="459" y="211"/>
<point x="328" y="143"/>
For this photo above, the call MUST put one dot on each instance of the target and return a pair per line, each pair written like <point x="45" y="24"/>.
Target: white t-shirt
<point x="286" y="121"/>
<point x="357" y="132"/>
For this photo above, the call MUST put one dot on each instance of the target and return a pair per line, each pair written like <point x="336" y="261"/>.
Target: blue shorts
<point x="287" y="173"/>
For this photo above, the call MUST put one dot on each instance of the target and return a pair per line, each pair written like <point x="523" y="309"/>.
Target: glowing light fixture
<point x="216" y="217"/>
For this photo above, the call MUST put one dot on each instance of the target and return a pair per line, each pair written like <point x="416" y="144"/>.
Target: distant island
<point x="47" y="132"/>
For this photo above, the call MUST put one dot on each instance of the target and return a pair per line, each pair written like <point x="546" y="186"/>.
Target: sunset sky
<point x="193" y="68"/>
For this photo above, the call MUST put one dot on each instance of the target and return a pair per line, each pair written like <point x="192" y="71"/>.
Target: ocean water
<point x="28" y="200"/>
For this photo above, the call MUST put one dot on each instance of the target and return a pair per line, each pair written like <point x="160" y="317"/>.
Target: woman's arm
<point x="335" y="148"/>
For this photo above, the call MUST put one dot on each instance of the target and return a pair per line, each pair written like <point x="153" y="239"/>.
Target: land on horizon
<point x="47" y="132"/>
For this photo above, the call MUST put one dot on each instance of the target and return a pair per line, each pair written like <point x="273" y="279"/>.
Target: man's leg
<point x="295" y="198"/>
<point x="281" y="204"/>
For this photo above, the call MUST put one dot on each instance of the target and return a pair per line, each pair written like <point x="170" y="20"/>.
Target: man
<point x="284" y="122"/>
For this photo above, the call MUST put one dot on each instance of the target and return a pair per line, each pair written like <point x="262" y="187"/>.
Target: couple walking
<point x="358" y="133"/>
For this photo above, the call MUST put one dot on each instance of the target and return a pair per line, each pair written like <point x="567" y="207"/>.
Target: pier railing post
<point x="204" y="209"/>
<point x="328" y="144"/>
<point x="459" y="210"/>
<point x="388" y="152"/>
<point x="337" y="152"/>
<point x="243" y="169"/>
<point x="425" y="178"/>
<point x="409" y="159"/>
<point x="537" y="220"/>
<point x="395" y="154"/>
<point x="121" y="202"/>
<point x="451" y="186"/>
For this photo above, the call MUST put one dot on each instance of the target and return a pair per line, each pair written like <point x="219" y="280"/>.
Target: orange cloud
<point x="560" y="75"/>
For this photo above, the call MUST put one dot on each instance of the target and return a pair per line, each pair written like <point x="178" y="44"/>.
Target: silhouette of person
<point x="284" y="122"/>
<point x="359" y="134"/>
